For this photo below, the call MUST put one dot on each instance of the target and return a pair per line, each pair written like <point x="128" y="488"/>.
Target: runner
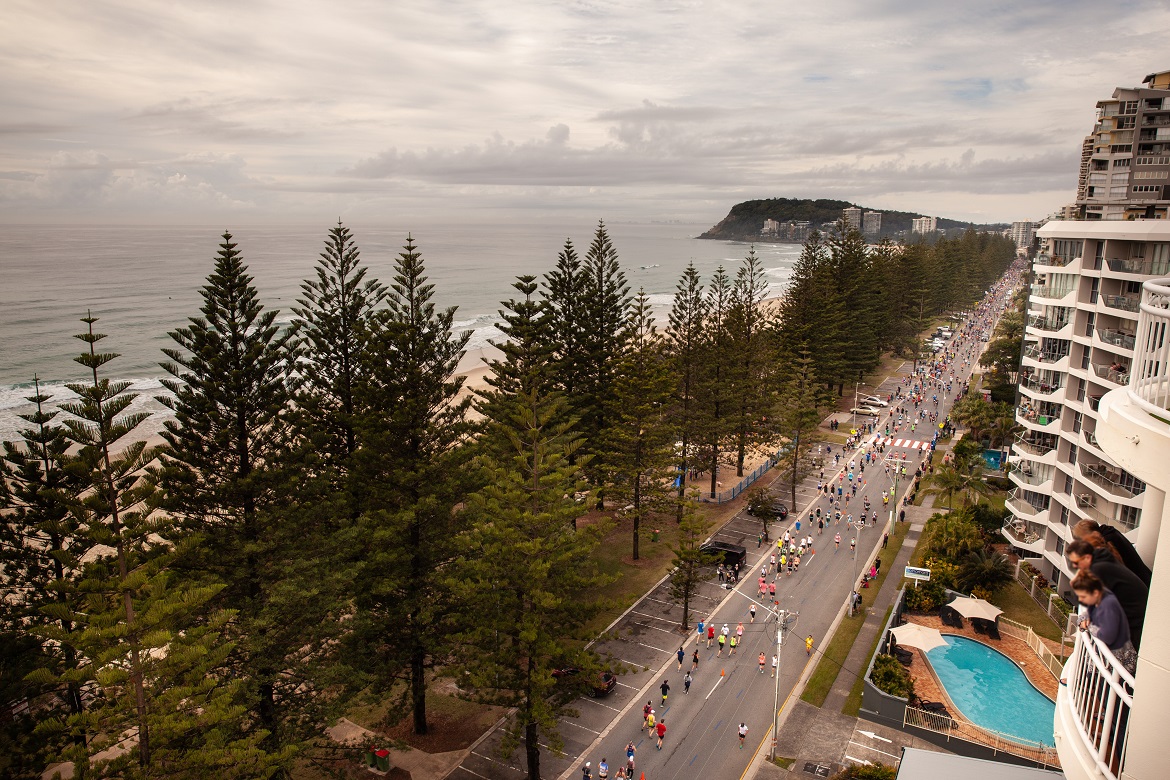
<point x="695" y="660"/>
<point x="763" y="660"/>
<point x="661" y="732"/>
<point x="808" y="645"/>
<point x="752" y="611"/>
<point x="775" y="663"/>
<point x="743" y="730"/>
<point x="710" y="633"/>
<point x="722" y="642"/>
<point x="630" y="750"/>
<point x="646" y="714"/>
<point x="603" y="769"/>
<point x="665" y="688"/>
<point x="852" y="545"/>
<point x="586" y="772"/>
<point x="837" y="542"/>
<point x="681" y="657"/>
<point x="734" y="644"/>
<point x="687" y="684"/>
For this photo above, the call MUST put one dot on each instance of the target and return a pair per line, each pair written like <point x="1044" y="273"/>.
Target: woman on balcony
<point x="1118" y="543"/>
<point x="1106" y="619"/>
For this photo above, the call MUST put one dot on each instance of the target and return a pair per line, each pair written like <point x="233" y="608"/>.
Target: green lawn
<point x="853" y="702"/>
<point x="1017" y="605"/>
<point x="834" y="655"/>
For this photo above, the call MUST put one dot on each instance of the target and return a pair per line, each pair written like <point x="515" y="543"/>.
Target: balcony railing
<point x="1123" y="302"/>
<point x="1050" y="291"/>
<point x="1111" y="480"/>
<point x="1031" y="476"/>
<point x="1117" y="338"/>
<point x="1087" y="503"/>
<point x="1054" y="260"/>
<point x="1048" y="323"/>
<point x="1110" y="374"/>
<point x="1019" y="532"/>
<point x="1045" y="355"/>
<point x="1042" y="387"/>
<point x="1038" y="416"/>
<point x="1150" y="385"/>
<point x="1139" y="265"/>
<point x="1037" y="448"/>
<point x="1099" y="695"/>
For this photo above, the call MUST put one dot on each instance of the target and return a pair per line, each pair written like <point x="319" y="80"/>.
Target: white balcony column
<point x="1145" y="754"/>
<point x="1151" y="523"/>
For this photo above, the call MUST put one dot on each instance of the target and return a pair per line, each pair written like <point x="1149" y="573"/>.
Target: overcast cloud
<point x="269" y="111"/>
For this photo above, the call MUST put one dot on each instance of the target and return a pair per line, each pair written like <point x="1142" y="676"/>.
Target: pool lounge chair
<point x="978" y="625"/>
<point x="992" y="629"/>
<point x="935" y="708"/>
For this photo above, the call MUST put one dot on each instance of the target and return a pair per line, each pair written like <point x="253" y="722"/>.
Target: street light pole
<point x="781" y="618"/>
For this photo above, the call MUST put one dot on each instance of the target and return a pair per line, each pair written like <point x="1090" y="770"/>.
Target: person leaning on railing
<point x="1130" y="592"/>
<point x="1106" y="619"/>
<point x="1118" y="544"/>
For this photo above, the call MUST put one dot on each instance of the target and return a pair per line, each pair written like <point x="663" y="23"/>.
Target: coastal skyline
<point x="426" y="112"/>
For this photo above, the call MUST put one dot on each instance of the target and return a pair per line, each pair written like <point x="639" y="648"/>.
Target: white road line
<point x="870" y="747"/>
<point x="599" y="704"/>
<point x="578" y="725"/>
<point x="468" y="771"/>
<point x="655" y="617"/>
<point x="652" y="647"/>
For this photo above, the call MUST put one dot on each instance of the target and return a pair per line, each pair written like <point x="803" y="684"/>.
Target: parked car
<point x="724" y="552"/>
<point x="604" y="685"/>
<point x="873" y="400"/>
<point x="868" y="411"/>
<point x="781" y="511"/>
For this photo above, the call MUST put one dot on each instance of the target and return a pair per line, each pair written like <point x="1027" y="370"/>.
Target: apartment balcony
<point x="1051" y="295"/>
<point x="1053" y="261"/>
<point x="1049" y="359"/>
<point x="1111" y="480"/>
<point x="1130" y="303"/>
<point x="1036" y="479"/>
<point x="1021" y="534"/>
<point x="1116" y="339"/>
<point x="1093" y="508"/>
<point x="1138" y="266"/>
<point x="1050" y="325"/>
<point x="1092" y="710"/>
<point x="1109" y="375"/>
<point x="1037" y="387"/>
<point x="1035" y="420"/>
<point x="1035" y="452"/>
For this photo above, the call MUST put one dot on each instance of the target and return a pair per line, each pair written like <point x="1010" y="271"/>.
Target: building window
<point x="1068" y="488"/>
<point x="1130" y="517"/>
<point x="1147" y="188"/>
<point x="1127" y="107"/>
<point x="1150" y="174"/>
<point x="1078" y="418"/>
<point x="1064" y="515"/>
<point x="1072" y="456"/>
<point x="1121" y="148"/>
<point x="1122" y="163"/>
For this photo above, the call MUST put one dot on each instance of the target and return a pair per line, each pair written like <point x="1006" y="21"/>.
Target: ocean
<point x="143" y="282"/>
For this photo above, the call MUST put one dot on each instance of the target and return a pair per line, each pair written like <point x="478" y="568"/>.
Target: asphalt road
<point x="701" y="739"/>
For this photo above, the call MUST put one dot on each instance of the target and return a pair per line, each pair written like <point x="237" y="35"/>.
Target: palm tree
<point x="983" y="569"/>
<point x="946" y="481"/>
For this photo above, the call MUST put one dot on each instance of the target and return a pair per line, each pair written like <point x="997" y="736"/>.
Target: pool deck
<point x="927" y="688"/>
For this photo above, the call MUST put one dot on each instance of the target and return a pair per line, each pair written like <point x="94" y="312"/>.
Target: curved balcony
<point x="1089" y="506"/>
<point x="1038" y="453"/>
<point x="1150" y="386"/>
<point x="1021" y="535"/>
<point x="1092" y="710"/>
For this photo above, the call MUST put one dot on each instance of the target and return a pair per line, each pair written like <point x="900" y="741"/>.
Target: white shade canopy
<point x="914" y="635"/>
<point x="975" y="608"/>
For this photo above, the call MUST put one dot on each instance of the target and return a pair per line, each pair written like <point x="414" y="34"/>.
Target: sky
<point x="276" y="111"/>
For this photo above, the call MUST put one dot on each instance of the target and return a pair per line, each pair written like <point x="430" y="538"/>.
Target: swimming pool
<point x="991" y="691"/>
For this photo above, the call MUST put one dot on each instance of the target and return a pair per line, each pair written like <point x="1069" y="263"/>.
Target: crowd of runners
<point x="845" y="503"/>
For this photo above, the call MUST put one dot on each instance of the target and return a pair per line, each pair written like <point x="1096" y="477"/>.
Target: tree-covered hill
<point x="745" y="219"/>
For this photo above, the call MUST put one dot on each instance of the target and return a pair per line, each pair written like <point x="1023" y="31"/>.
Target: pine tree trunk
<point x="418" y="687"/>
<point x="531" y="733"/>
<point x="795" y="457"/>
<point x="637" y="513"/>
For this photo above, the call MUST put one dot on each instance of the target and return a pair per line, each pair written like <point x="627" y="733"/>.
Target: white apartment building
<point x="1022" y="233"/>
<point x="924" y="225"/>
<point x="1125" y="161"/>
<point x="852" y="217"/>
<point x="1079" y="342"/>
<point x="1109" y="724"/>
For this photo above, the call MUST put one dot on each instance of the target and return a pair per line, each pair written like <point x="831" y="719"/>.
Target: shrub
<point x="876" y="771"/>
<point x="890" y="676"/>
<point x="981" y="593"/>
<point x="942" y="571"/>
<point x="927" y="597"/>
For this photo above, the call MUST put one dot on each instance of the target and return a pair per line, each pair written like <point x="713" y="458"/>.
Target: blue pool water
<point x="991" y="691"/>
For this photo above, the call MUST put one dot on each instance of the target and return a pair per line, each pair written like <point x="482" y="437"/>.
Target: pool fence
<point x="965" y="731"/>
<point x="1045" y="599"/>
<point x="1052" y="662"/>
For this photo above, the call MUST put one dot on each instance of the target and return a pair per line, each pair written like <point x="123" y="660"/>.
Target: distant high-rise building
<point x="1022" y="233"/>
<point x="771" y="228"/>
<point x="871" y="223"/>
<point x="1125" y="161"/>
<point x="852" y="217"/>
<point x="924" y="225"/>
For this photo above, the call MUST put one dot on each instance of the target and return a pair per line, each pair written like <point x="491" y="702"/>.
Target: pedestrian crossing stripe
<point x="912" y="444"/>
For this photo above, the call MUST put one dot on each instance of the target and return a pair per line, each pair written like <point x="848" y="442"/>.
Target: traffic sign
<point x="916" y="573"/>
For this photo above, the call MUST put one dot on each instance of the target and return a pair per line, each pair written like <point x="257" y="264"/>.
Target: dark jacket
<point x="1129" y="556"/>
<point x="1130" y="591"/>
